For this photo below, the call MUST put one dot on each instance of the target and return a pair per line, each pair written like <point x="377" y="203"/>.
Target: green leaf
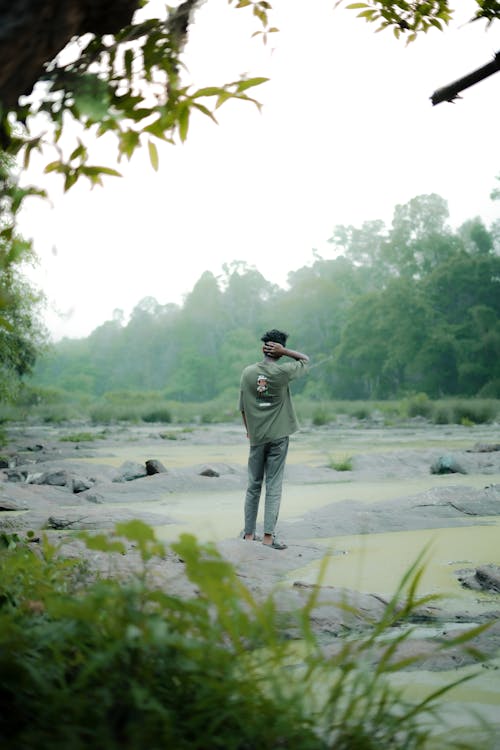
<point x="29" y="146"/>
<point x="129" y="140"/>
<point x="102" y="543"/>
<point x="205" y="111"/>
<point x="70" y="179"/>
<point x="223" y="98"/>
<point x="91" y="96"/>
<point x="135" y="531"/>
<point x="54" y="166"/>
<point x="261" y="14"/>
<point x="207" y="91"/>
<point x="248" y="83"/>
<point x="183" y="120"/>
<point x="107" y="170"/>
<point x="354" y="6"/>
<point x="153" y="155"/>
<point x="80" y="150"/>
<point x="5" y="324"/>
<point x="128" y="59"/>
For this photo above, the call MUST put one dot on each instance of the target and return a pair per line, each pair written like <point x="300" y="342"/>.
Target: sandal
<point x="276" y="545"/>
<point x="255" y="538"/>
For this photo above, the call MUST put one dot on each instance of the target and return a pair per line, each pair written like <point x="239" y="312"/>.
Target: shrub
<point x="343" y="463"/>
<point x="491" y="389"/>
<point x="157" y="414"/>
<point x="467" y="412"/>
<point x="169" y="436"/>
<point x="474" y="411"/>
<point x="121" y="666"/>
<point x="32" y="396"/>
<point x="55" y="413"/>
<point x="108" y="413"/>
<point x="320" y="416"/>
<point x="419" y="405"/>
<point x="442" y="414"/>
<point x="361" y="412"/>
<point x="83" y="437"/>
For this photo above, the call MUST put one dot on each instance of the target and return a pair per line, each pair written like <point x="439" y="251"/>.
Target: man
<point x="269" y="417"/>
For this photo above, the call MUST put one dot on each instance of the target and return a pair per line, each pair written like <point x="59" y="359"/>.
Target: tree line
<point x="413" y="307"/>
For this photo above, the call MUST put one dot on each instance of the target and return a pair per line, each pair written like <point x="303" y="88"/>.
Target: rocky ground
<point x="434" y="479"/>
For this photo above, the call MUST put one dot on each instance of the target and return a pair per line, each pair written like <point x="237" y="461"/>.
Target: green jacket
<point x="266" y="401"/>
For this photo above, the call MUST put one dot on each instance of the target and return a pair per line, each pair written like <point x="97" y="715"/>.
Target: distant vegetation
<point x="408" y="312"/>
<point x="414" y="308"/>
<point x="56" y="407"/>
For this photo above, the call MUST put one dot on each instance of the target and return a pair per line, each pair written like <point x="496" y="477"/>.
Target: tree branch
<point x="451" y="92"/>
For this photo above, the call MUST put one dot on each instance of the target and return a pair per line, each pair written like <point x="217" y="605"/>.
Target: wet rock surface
<point x="56" y="487"/>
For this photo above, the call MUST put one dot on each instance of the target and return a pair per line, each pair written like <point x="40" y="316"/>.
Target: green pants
<point x="265" y="460"/>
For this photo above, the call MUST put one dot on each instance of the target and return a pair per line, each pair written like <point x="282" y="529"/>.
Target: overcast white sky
<point x="347" y="131"/>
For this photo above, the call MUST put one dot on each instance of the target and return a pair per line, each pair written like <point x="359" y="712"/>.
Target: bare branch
<point x="451" y="92"/>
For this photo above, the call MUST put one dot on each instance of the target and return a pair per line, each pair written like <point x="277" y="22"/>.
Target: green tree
<point x="476" y="238"/>
<point x="21" y="336"/>
<point x="420" y="238"/>
<point x="365" y="247"/>
<point x="200" y="331"/>
<point x="246" y="295"/>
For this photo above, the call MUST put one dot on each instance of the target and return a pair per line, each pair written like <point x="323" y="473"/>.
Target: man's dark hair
<point x="274" y="335"/>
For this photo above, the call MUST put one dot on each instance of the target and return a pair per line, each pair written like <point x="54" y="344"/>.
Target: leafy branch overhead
<point x="412" y="18"/>
<point x="128" y="84"/>
<point x="114" y="70"/>
<point x="408" y="19"/>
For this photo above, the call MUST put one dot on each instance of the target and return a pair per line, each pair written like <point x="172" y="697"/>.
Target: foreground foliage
<point x="115" y="664"/>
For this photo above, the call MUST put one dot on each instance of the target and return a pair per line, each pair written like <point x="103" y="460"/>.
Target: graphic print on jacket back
<point x="263" y="395"/>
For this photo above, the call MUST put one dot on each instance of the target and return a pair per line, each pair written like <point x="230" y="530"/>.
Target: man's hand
<point x="274" y="350"/>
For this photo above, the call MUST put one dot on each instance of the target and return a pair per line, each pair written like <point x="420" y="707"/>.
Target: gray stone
<point x="154" y="467"/>
<point x="15" y="475"/>
<point x="94" y="497"/>
<point x="447" y="465"/>
<point x="129" y="471"/>
<point x="6" y="504"/>
<point x="80" y="484"/>
<point x="209" y="472"/>
<point x="485" y="578"/>
<point x="58" y="478"/>
<point x="484" y="448"/>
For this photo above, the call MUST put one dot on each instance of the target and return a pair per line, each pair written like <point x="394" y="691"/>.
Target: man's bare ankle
<point x="268" y="539"/>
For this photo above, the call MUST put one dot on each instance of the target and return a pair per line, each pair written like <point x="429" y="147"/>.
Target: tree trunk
<point x="32" y="32"/>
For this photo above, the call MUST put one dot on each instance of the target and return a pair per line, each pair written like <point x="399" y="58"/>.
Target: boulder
<point x="57" y="478"/>
<point x="154" y="467"/>
<point x="80" y="484"/>
<point x="209" y="472"/>
<point x="484" y="448"/>
<point x="6" y="504"/>
<point x="129" y="471"/>
<point x="447" y="465"/>
<point x="485" y="578"/>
